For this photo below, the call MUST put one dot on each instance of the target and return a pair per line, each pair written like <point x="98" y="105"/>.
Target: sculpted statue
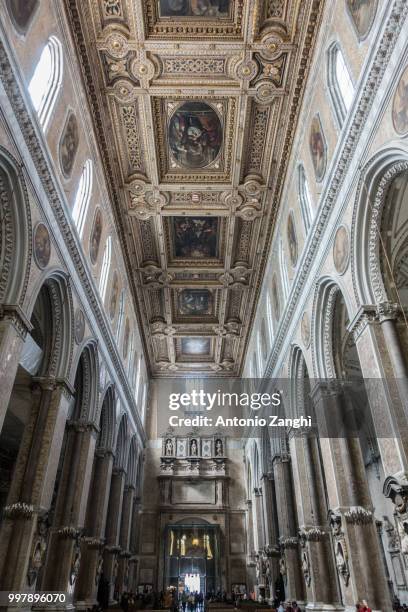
<point x="168" y="449"/>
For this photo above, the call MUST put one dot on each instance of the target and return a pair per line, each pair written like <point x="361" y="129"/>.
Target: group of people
<point x="290" y="606"/>
<point x="398" y="606"/>
<point x="191" y="601"/>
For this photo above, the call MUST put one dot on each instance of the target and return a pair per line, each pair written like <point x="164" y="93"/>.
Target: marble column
<point x="112" y="549"/>
<point x="22" y="547"/>
<point x="124" y="538"/>
<point x="14" y="327"/>
<point x="382" y="365"/>
<point x="63" y="559"/>
<point x="271" y="549"/>
<point x="251" y="575"/>
<point x="259" y="519"/>
<point x="86" y="586"/>
<point x="354" y="533"/>
<point x="317" y="559"/>
<point x="289" y="541"/>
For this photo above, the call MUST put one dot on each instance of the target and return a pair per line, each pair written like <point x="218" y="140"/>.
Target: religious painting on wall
<point x="195" y="346"/>
<point x="275" y="298"/>
<point x="69" y="144"/>
<point x="195" y="135"/>
<point x="79" y="326"/>
<point x="113" y="302"/>
<point x="42" y="246"/>
<point x="21" y="12"/>
<point x="195" y="302"/>
<point x="318" y="148"/>
<point x="96" y="235"/>
<point x="126" y="339"/>
<point x="292" y="240"/>
<point x="305" y="329"/>
<point x="362" y="13"/>
<point x="400" y="105"/>
<point x="195" y="237"/>
<point x="341" y="249"/>
<point x="194" y="8"/>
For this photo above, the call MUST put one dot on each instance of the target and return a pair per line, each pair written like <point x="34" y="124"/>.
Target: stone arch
<point x="122" y="443"/>
<point x="376" y="179"/>
<point x="297" y="373"/>
<point x="15" y="232"/>
<point x="87" y="406"/>
<point x="132" y="463"/>
<point x="106" y="438"/>
<point x="324" y="303"/>
<point x="52" y="317"/>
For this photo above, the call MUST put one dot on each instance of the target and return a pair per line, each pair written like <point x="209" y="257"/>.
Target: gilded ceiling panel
<point x="195" y="104"/>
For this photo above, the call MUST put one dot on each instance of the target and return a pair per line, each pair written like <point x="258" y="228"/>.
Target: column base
<point x="86" y="605"/>
<point x="324" y="607"/>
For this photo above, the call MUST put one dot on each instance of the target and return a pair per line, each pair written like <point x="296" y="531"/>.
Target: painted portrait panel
<point x="126" y="339"/>
<point x="195" y="302"/>
<point x="195" y="346"/>
<point x="292" y="240"/>
<point x="318" y="147"/>
<point x="362" y="13"/>
<point x="79" y="326"/>
<point x="113" y="302"/>
<point x="195" y="135"/>
<point x="400" y="105"/>
<point x="275" y="298"/>
<point x="96" y="234"/>
<point x="21" y="12"/>
<point x="195" y="237"/>
<point x="69" y="144"/>
<point x="305" y="329"/>
<point x="341" y="249"/>
<point x="209" y="9"/>
<point x="42" y="246"/>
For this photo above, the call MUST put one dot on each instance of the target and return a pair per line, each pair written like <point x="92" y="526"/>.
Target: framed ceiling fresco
<point x="195" y="240"/>
<point x="203" y="9"/>
<point x="194" y="138"/>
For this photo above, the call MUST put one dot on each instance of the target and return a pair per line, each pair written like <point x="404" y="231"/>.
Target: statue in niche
<point x="218" y="448"/>
<point x="193" y="448"/>
<point x="168" y="448"/>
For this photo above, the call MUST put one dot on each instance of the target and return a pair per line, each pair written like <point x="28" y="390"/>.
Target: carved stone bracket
<point x="17" y="318"/>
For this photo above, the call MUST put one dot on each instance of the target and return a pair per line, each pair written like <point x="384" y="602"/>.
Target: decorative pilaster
<point x="14" y="326"/>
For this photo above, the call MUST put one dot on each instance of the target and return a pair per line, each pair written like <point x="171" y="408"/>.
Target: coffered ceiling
<point x="195" y="105"/>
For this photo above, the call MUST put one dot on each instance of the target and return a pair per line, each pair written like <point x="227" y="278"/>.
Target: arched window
<point x="83" y="197"/>
<point x="132" y="339"/>
<point x="340" y="84"/>
<point x="139" y="363"/>
<point x="283" y="270"/>
<point x="46" y="80"/>
<point x="259" y="351"/>
<point x="305" y="199"/>
<point x="144" y="402"/>
<point x="269" y="316"/>
<point x="121" y="315"/>
<point x="107" y="255"/>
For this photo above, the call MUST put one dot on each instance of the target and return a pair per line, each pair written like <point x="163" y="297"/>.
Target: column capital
<point x="17" y="318"/>
<point x="52" y="383"/>
<point x="83" y="426"/>
<point x="18" y="510"/>
<point x="365" y="315"/>
<point x="387" y="311"/>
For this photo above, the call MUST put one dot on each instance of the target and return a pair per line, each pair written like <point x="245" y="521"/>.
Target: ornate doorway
<point x="192" y="557"/>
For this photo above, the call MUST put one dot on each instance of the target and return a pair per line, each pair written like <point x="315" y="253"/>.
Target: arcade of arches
<point x="200" y="189"/>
